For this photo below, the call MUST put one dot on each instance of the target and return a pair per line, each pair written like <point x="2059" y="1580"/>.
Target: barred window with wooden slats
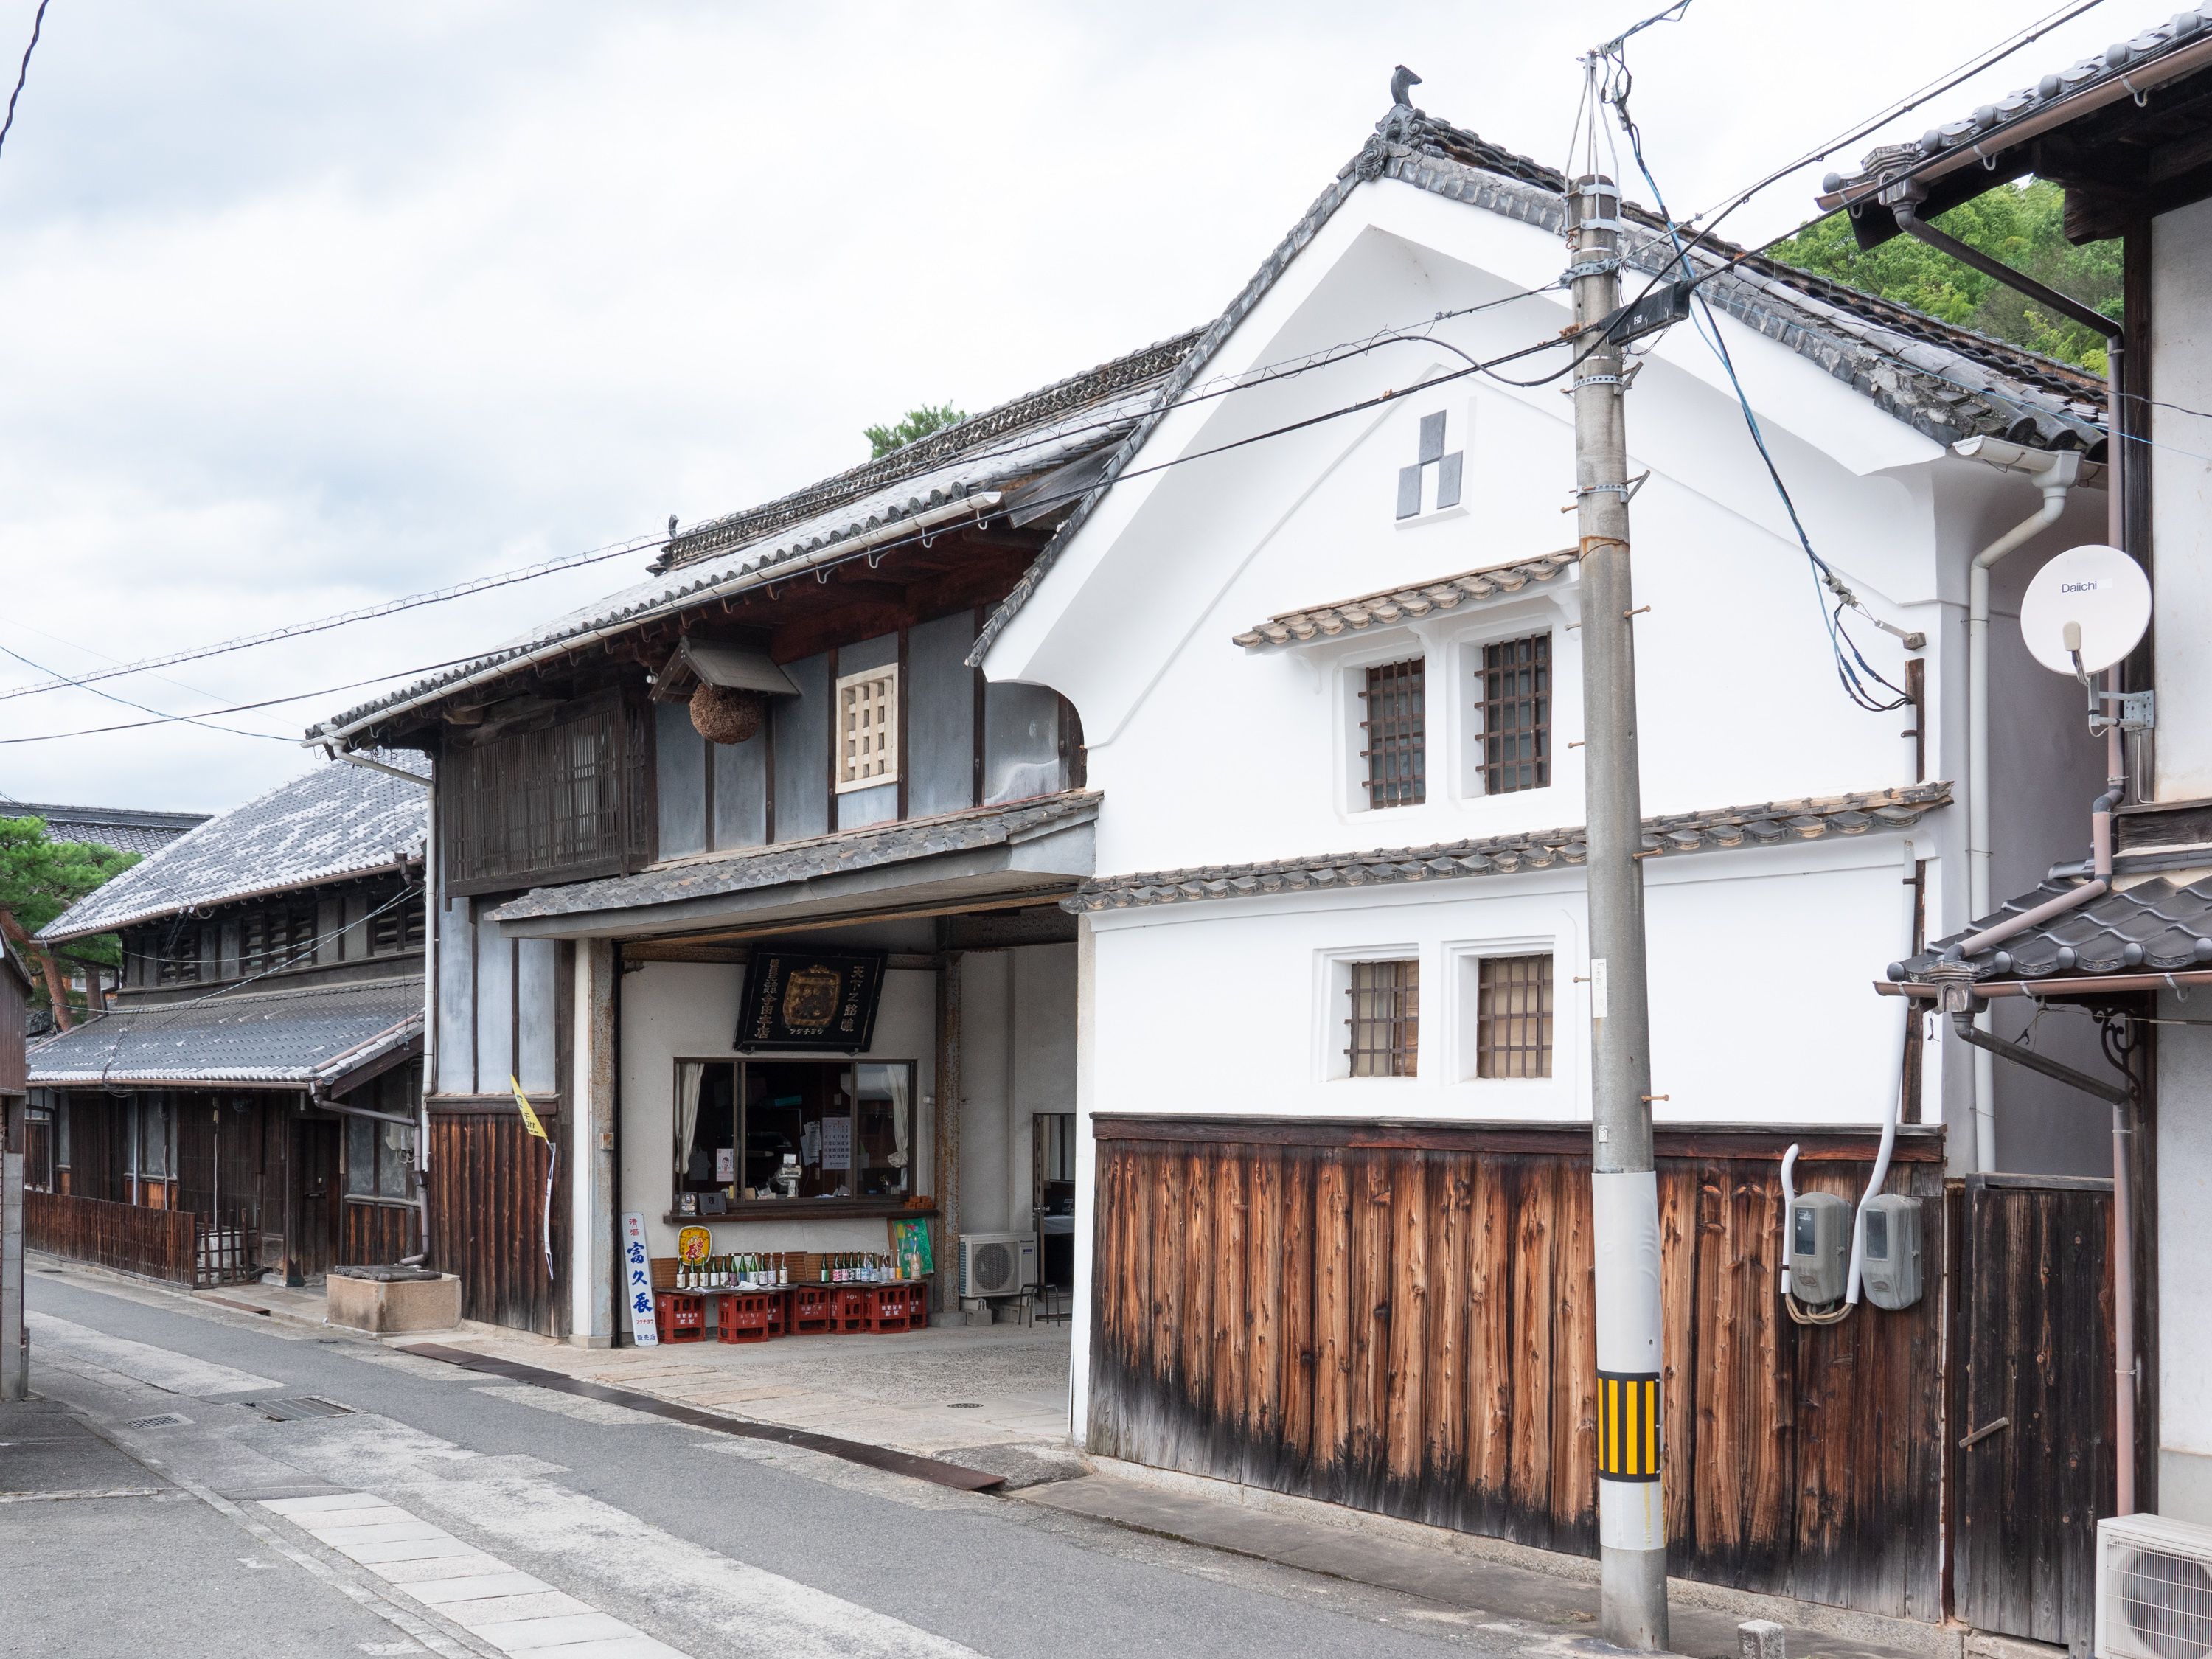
<point x="397" y="930"/>
<point x="1397" y="732"/>
<point x="1517" y="715"/>
<point x="282" y="936"/>
<point x="867" y="729"/>
<point x="1513" y="1017"/>
<point x="1385" y="1021"/>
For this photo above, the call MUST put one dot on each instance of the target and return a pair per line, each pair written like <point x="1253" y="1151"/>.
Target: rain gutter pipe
<point x="2054" y="471"/>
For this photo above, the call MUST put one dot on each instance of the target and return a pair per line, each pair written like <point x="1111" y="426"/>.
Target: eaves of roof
<point x="2149" y="926"/>
<point x="1947" y="383"/>
<point x="1408" y="604"/>
<point x="1771" y="824"/>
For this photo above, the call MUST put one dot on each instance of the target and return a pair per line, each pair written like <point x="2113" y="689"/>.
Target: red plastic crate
<point x="917" y="1304"/>
<point x="888" y="1306"/>
<point x="748" y="1316"/>
<point x="812" y="1310"/>
<point x="680" y="1316"/>
<point x="854" y="1306"/>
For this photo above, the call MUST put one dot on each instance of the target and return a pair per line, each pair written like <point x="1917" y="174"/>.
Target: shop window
<point x="867" y="729"/>
<point x="1384" y="1025"/>
<point x="1517" y="715"/>
<point x="1395" y="733"/>
<point x="1513" y="1017"/>
<point x="765" y="1132"/>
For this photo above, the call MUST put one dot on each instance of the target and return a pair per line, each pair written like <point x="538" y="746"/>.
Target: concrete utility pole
<point x="1624" y="1185"/>
<point x="14" y="1371"/>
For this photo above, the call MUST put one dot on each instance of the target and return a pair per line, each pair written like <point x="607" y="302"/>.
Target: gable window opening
<point x="1397" y="732"/>
<point x="1384" y="1025"/>
<point x="1513" y="1017"/>
<point x="867" y="729"/>
<point x="1517" y="715"/>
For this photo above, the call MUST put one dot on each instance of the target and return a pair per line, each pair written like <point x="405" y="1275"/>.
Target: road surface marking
<point x="512" y="1611"/>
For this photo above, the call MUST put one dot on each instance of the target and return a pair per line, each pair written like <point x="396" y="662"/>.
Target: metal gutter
<point x="2059" y="988"/>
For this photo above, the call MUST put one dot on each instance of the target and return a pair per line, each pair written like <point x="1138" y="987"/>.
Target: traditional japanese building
<point x="250" y="1100"/>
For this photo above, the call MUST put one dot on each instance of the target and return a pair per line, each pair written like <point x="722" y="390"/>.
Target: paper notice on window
<point x="836" y="1143"/>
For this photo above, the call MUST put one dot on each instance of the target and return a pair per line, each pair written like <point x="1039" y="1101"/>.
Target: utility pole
<point x="1624" y="1182"/>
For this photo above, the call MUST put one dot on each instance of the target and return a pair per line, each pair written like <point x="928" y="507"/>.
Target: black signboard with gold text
<point x="817" y="1000"/>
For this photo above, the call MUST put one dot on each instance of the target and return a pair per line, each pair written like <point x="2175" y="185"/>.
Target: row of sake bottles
<point x="770" y="1270"/>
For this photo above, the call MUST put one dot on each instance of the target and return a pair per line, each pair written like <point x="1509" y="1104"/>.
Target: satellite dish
<point x="2094" y="599"/>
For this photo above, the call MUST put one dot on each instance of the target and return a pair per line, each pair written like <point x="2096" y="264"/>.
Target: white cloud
<point x="302" y="308"/>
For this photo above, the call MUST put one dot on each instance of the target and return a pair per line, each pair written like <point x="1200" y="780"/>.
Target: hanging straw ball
<point x="724" y="714"/>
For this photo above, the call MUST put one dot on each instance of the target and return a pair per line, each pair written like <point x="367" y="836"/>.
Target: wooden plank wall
<point x="127" y="1238"/>
<point x="1398" y="1317"/>
<point x="2034" y="1328"/>
<point x="487" y="1180"/>
<point x="374" y="1235"/>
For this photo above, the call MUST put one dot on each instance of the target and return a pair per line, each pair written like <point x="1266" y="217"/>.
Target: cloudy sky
<point x="302" y="308"/>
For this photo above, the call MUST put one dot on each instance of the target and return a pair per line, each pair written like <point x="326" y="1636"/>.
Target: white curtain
<point x="689" y="1073"/>
<point x="898" y="1078"/>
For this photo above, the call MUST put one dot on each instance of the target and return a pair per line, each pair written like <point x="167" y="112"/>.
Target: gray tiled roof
<point x="2126" y="61"/>
<point x="123" y="828"/>
<point x="336" y="822"/>
<point x="2152" y="926"/>
<point x="1398" y="603"/>
<point x="716" y="875"/>
<point x="305" y="1038"/>
<point x="1033" y="435"/>
<point x="1948" y="383"/>
<point x="1772" y="824"/>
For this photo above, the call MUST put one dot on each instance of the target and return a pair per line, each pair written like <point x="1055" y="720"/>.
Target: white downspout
<point x="2055" y="470"/>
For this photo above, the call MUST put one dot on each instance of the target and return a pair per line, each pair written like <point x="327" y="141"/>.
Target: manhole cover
<point x="298" y="1406"/>
<point x="964" y="1405"/>
<point x="166" y="1420"/>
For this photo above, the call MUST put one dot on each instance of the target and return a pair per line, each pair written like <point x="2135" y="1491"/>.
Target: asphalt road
<point x="710" y="1544"/>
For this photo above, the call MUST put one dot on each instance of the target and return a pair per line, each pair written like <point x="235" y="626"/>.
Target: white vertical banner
<point x="637" y="1281"/>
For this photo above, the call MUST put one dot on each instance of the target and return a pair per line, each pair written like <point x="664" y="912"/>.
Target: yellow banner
<point x="529" y="1117"/>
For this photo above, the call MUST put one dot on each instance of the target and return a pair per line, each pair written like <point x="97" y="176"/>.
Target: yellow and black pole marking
<point x="1628" y="1426"/>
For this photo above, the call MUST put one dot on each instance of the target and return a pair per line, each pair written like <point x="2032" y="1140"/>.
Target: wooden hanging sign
<point x="823" y="1000"/>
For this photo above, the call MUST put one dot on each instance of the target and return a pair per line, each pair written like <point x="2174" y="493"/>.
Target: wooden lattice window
<point x="280" y="936"/>
<point x="1513" y="1017"/>
<point x="566" y="800"/>
<point x="1385" y="1021"/>
<point x="867" y="729"/>
<point x="1396" y="731"/>
<point x="397" y="930"/>
<point x="1517" y="715"/>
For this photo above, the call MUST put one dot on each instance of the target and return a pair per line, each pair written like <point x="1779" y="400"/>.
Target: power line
<point x="193" y="720"/>
<point x="364" y="613"/>
<point x="23" y="72"/>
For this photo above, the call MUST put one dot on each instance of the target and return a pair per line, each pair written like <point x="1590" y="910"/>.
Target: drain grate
<point x="166" y="1420"/>
<point x="298" y="1406"/>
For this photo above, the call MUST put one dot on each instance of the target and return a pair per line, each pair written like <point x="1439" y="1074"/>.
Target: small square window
<point x="867" y="729"/>
<point x="1385" y="1021"/>
<point x="1396" y="733"/>
<point x="1517" y="715"/>
<point x="1513" y="1017"/>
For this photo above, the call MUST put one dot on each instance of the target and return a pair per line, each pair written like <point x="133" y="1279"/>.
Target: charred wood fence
<point x="1398" y="1317"/>
<point x="128" y="1238"/>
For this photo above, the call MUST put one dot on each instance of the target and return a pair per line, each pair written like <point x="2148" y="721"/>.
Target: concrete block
<point x="388" y="1306"/>
<point x="1759" y="1638"/>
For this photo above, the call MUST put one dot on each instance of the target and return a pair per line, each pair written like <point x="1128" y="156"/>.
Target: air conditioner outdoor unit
<point x="997" y="1264"/>
<point x="2153" y="1588"/>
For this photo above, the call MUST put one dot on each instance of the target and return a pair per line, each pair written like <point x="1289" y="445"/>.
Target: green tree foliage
<point x="2019" y="224"/>
<point x="40" y="879"/>
<point x="916" y="423"/>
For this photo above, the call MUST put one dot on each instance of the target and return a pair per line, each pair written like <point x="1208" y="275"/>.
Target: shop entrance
<point x="753" y="1134"/>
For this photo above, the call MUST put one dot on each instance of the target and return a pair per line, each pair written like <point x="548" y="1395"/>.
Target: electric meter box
<point x="1819" y="1248"/>
<point x="1889" y="1264"/>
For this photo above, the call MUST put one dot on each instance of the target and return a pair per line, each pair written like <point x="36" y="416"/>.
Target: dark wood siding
<point x="14" y="1014"/>
<point x="1399" y="1318"/>
<point x="487" y="1183"/>
<point x="2032" y="1327"/>
<point x="374" y="1235"/>
<point x="126" y="1238"/>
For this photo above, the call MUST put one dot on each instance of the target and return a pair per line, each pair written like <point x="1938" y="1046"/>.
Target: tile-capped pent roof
<point x="302" y="1038"/>
<point x="124" y="829"/>
<point x="950" y="475"/>
<point x="1772" y="824"/>
<point x="1395" y="605"/>
<point x="2152" y="926"/>
<point x="716" y="874"/>
<point x="336" y="822"/>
